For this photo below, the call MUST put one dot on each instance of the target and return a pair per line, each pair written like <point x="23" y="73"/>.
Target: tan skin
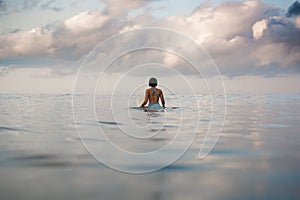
<point x="153" y="98"/>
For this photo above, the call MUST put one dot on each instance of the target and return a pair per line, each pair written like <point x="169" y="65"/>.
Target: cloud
<point x="225" y="31"/>
<point x="248" y="37"/>
<point x="72" y="38"/>
<point x="86" y="22"/>
<point x="10" y="7"/>
<point x="224" y="21"/>
<point x="294" y="9"/>
<point x="67" y="40"/>
<point x="30" y="4"/>
<point x="171" y="60"/>
<point x="258" y="28"/>
<point x="2" y="6"/>
<point x="278" y="43"/>
<point x="51" y="5"/>
<point x="117" y="8"/>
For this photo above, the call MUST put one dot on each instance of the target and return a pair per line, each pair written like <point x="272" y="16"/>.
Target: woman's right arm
<point x="146" y="99"/>
<point x="162" y="99"/>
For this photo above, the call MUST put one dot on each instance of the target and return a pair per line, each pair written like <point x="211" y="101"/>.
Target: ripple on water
<point x="273" y="125"/>
<point x="109" y="123"/>
<point x="12" y="129"/>
<point x="43" y="160"/>
<point x="4" y="128"/>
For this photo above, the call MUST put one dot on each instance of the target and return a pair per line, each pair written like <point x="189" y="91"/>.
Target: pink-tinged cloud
<point x="70" y="39"/>
<point x="244" y="37"/>
<point x="247" y="37"/>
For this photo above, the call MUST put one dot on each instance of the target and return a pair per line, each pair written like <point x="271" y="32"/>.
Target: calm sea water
<point x="45" y="153"/>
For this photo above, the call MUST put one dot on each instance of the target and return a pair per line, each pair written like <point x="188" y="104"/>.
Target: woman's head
<point x="152" y="82"/>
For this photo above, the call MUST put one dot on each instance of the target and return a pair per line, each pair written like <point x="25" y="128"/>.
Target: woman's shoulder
<point x="159" y="90"/>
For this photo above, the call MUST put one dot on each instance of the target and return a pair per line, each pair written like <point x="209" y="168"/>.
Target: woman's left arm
<point x="146" y="99"/>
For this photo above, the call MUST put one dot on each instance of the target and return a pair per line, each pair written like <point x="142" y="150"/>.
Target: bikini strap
<point x="154" y="91"/>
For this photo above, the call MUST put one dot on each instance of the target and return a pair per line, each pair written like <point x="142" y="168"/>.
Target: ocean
<point x="98" y="147"/>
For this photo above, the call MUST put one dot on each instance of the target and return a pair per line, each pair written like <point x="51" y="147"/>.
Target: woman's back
<point x="153" y="94"/>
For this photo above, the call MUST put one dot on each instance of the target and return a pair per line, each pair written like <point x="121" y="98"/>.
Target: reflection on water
<point x="257" y="156"/>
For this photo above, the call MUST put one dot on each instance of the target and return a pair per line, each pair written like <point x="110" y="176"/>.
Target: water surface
<point x="256" y="157"/>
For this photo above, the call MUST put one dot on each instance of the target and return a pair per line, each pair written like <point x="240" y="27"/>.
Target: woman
<point x="153" y="94"/>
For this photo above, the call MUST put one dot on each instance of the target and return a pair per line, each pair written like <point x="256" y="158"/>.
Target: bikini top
<point x="154" y="91"/>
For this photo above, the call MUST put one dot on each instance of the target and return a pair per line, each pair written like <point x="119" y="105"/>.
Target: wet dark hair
<point x="152" y="82"/>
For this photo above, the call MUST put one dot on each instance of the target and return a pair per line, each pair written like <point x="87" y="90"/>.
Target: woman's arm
<point x="146" y="99"/>
<point x="162" y="98"/>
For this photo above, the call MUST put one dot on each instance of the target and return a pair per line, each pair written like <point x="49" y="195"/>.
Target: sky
<point x="255" y="44"/>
